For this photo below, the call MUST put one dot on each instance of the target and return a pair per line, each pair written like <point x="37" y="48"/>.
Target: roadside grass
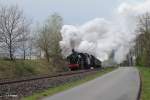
<point x="52" y="91"/>
<point x="145" y="75"/>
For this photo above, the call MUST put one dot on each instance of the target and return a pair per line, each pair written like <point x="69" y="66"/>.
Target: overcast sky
<point x="73" y="11"/>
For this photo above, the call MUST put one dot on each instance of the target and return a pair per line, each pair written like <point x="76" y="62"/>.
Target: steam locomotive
<point x="79" y="61"/>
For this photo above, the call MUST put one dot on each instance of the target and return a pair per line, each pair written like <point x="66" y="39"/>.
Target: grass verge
<point x="51" y="91"/>
<point x="145" y="75"/>
<point x="26" y="68"/>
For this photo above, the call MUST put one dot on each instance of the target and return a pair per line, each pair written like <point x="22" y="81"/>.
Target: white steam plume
<point x="100" y="37"/>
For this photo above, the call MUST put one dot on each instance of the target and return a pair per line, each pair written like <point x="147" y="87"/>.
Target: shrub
<point x="23" y="69"/>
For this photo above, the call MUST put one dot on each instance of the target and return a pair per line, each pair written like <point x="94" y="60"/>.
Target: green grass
<point x="145" y="75"/>
<point x="51" y="91"/>
<point x="21" y="68"/>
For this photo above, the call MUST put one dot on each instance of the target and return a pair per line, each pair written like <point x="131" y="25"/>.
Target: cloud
<point x="100" y="37"/>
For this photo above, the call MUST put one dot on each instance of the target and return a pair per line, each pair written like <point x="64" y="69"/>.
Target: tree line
<point x="142" y="47"/>
<point x="18" y="38"/>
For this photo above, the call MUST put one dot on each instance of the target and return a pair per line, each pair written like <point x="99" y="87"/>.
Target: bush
<point x="143" y="60"/>
<point x="139" y="61"/>
<point x="23" y="69"/>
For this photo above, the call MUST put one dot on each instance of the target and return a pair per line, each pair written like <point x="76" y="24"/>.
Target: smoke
<point x="100" y="37"/>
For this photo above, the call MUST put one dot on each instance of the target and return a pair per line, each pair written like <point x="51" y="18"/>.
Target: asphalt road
<point x="120" y="84"/>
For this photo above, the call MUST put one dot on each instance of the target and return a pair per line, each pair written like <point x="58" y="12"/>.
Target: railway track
<point x="26" y="79"/>
<point x="28" y="86"/>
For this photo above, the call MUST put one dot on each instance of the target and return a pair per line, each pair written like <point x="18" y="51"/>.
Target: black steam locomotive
<point x="82" y="61"/>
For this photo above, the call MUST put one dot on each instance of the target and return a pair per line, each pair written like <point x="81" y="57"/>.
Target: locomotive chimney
<point x="73" y="50"/>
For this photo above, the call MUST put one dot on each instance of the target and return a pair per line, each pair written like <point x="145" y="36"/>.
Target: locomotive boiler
<point x="79" y="61"/>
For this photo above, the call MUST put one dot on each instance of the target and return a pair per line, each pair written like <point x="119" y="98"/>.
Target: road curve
<point x="120" y="84"/>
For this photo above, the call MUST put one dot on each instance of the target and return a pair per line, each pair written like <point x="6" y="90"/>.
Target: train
<point x="78" y="61"/>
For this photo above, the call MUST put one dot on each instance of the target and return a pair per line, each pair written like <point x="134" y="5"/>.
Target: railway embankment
<point x="27" y="68"/>
<point x="74" y="81"/>
<point x="18" y="89"/>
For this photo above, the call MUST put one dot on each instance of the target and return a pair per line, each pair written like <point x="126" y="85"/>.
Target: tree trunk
<point x="47" y="55"/>
<point x="10" y="54"/>
<point x="24" y="55"/>
<point x="10" y="49"/>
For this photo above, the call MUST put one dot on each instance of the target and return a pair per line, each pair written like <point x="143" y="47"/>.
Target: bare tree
<point x="55" y="23"/>
<point x="49" y="37"/>
<point x="12" y="25"/>
<point x="24" y="45"/>
<point x="31" y="47"/>
<point x="43" y="41"/>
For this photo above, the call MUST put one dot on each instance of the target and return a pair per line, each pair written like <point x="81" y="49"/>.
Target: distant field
<point x="145" y="74"/>
<point x="20" y="68"/>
